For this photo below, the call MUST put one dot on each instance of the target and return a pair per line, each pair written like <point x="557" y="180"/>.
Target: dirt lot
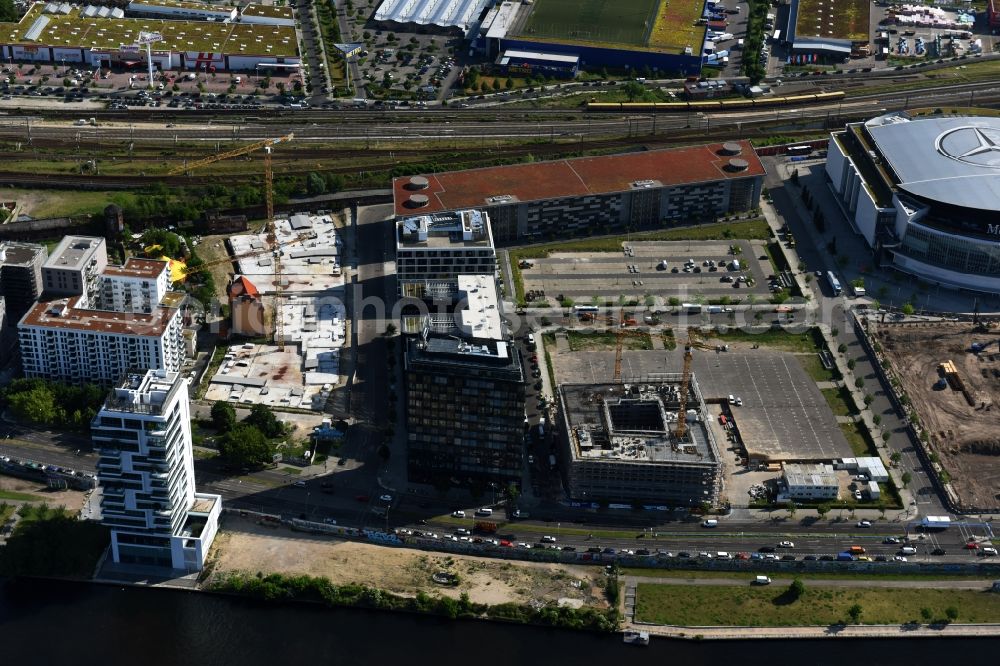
<point x="15" y="491"/>
<point x="242" y="545"/>
<point x="967" y="438"/>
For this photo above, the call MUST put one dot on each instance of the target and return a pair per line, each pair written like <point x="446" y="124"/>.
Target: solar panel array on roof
<point x="445" y="13"/>
<point x="36" y="28"/>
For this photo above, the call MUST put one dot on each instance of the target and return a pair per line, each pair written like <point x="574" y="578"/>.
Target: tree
<point x="315" y="184"/>
<point x="877" y="419"/>
<point x="263" y="419"/>
<point x="509" y="83"/>
<point x="855" y="613"/>
<point x="796" y="589"/>
<point x="859" y="382"/>
<point x="246" y="446"/>
<point x="790" y="507"/>
<point x="36" y="405"/>
<point x="496" y="85"/>
<point x="484" y="87"/>
<point x="841" y="348"/>
<point x="223" y="416"/>
<point x="510" y="496"/>
<point x="869" y="399"/>
<point x="906" y="478"/>
<point x="390" y="330"/>
<point x="951" y="613"/>
<point x="8" y="14"/>
<point x="822" y="510"/>
<point x="926" y="613"/>
<point x="633" y="90"/>
<point x="907" y="309"/>
<point x="896" y="457"/>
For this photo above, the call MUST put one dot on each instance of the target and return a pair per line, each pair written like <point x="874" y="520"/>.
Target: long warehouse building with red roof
<point x="586" y="195"/>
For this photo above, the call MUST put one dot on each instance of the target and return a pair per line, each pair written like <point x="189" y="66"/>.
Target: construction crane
<point x="621" y="332"/>
<point x="681" y="432"/>
<point x="266" y="145"/>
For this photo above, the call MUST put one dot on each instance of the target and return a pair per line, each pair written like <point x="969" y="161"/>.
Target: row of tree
<point x="246" y="443"/>
<point x="52" y="403"/>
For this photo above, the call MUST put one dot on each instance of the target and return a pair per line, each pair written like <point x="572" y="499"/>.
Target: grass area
<point x="623" y="22"/>
<point x="839" y="400"/>
<point x="809" y="341"/>
<point x="675" y="27"/>
<point x="669" y="340"/>
<point x="291" y="470"/>
<point x="813" y="366"/>
<point x="19" y="497"/>
<point x="634" y="340"/>
<point x="849" y="19"/>
<point x="6" y="511"/>
<point x="213" y="367"/>
<point x="860" y="445"/>
<point x="811" y="575"/>
<point x="63" y="203"/>
<point x="744" y="605"/>
<point x="205" y="454"/>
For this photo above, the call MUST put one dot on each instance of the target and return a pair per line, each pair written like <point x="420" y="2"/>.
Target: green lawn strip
<point x="762" y="569"/>
<point x="744" y="605"/>
<point x="19" y="497"/>
<point x="778" y="339"/>
<point x="813" y="366"/>
<point x="859" y="443"/>
<point x="839" y="400"/>
<point x="291" y="470"/>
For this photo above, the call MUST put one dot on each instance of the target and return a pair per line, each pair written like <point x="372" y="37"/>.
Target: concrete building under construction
<point x="620" y="444"/>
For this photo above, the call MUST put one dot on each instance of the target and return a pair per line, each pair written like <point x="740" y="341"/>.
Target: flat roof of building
<point x="576" y="177"/>
<point x="540" y="55"/>
<point x="447" y="351"/>
<point x="268" y="10"/>
<point x="802" y="474"/>
<point x="19" y="254"/>
<point x="634" y="423"/>
<point x="442" y="13"/>
<point x="62" y="314"/>
<point x="138" y="268"/>
<point x="832" y="19"/>
<point x="464" y="228"/>
<point x="72" y="252"/>
<point x="954" y="160"/>
<point x="480" y="317"/>
<point x="110" y="34"/>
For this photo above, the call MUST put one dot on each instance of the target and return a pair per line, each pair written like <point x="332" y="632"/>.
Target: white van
<point x="762" y="580"/>
<point x="723" y="555"/>
<point x="908" y="550"/>
<point x="711" y="522"/>
<point x="485" y="511"/>
<point x="238" y="80"/>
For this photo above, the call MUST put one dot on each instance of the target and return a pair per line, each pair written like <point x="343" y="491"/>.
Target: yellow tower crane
<point x="266" y="145"/>
<point x="681" y="430"/>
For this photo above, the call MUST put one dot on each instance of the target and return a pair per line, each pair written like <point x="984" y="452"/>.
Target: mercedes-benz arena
<point x="925" y="193"/>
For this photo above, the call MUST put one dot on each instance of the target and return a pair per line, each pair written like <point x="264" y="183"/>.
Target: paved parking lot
<point x="692" y="269"/>
<point x="784" y="416"/>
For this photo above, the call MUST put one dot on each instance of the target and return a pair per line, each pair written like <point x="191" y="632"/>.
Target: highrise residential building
<point x="138" y="286"/>
<point x="433" y="250"/>
<point x="146" y="474"/>
<point x="20" y="276"/>
<point x="74" y="268"/>
<point x="62" y="341"/>
<point x="465" y="396"/>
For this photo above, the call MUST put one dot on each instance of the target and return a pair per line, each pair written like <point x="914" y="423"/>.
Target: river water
<point x="50" y="622"/>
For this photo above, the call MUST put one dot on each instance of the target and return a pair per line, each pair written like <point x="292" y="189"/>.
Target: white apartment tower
<point x="75" y="268"/>
<point x="74" y="345"/>
<point x="138" y="286"/>
<point x="146" y="474"/>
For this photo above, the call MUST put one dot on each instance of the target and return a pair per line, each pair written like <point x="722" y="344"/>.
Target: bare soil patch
<point x="965" y="436"/>
<point x="243" y="545"/>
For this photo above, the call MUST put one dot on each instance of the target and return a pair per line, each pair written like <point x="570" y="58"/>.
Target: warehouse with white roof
<point x="458" y="15"/>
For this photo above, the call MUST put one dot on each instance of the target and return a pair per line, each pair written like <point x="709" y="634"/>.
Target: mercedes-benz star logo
<point x="976" y="146"/>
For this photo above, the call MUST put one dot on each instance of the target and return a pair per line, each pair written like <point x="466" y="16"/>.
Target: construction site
<point x="289" y="289"/>
<point x="950" y="374"/>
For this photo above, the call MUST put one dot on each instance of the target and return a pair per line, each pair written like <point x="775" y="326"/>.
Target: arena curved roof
<point x="952" y="160"/>
<point x="442" y="13"/>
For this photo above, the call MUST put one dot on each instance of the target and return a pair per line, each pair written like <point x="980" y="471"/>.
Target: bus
<point x="834" y="283"/>
<point x="584" y="308"/>
<point x="798" y="150"/>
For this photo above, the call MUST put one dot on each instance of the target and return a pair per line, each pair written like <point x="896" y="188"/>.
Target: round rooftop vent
<point x="417" y="201"/>
<point x="417" y="183"/>
<point x="731" y="148"/>
<point x="737" y="164"/>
